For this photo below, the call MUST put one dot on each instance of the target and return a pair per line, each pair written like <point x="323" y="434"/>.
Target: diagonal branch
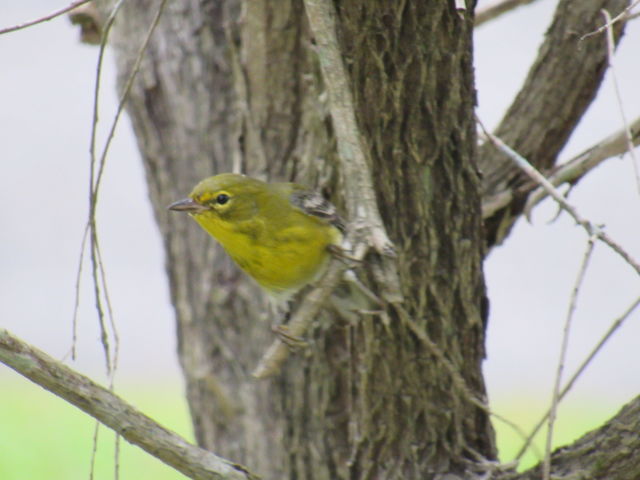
<point x="570" y="172"/>
<point x="591" y="229"/>
<point x="497" y="8"/>
<point x="116" y="414"/>
<point x="561" y="84"/>
<point x="46" y="18"/>
<point x="354" y="167"/>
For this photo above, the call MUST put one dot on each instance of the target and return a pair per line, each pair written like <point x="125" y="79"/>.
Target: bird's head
<point x="229" y="197"/>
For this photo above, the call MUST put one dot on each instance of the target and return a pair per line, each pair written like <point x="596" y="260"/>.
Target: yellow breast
<point x="282" y="258"/>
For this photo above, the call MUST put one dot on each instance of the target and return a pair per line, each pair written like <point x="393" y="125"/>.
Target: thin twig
<point x="98" y="271"/>
<point x="110" y="315"/>
<point x="622" y="16"/>
<point x="542" y="181"/>
<point x="95" y="179"/>
<point x="91" y="225"/>
<point x="555" y="398"/>
<point x="104" y="336"/>
<point x="115" y="413"/>
<point x="94" y="450"/>
<point x="583" y="366"/>
<point x="93" y="196"/>
<point x="125" y="91"/>
<point x="46" y="18"/>
<point x="116" y="454"/>
<point x="494" y="10"/>
<point x="76" y="302"/>
<point x="616" y="87"/>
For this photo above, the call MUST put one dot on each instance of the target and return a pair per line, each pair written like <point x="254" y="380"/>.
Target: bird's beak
<point x="188" y="205"/>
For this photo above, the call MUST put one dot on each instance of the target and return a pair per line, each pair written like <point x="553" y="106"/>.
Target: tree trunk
<point x="230" y="85"/>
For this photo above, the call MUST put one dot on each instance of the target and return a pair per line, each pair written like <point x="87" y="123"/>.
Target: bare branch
<point x="115" y="413"/>
<point x="99" y="279"/>
<point x="46" y="18"/>
<point x="555" y="400"/>
<point x="542" y="181"/>
<point x="576" y="168"/>
<point x="94" y="449"/>
<point x="560" y="86"/>
<point x="622" y="16"/>
<point x="617" y="323"/>
<point x="594" y="232"/>
<point x="497" y="8"/>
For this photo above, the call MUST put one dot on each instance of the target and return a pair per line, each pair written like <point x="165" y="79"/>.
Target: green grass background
<point x="44" y="438"/>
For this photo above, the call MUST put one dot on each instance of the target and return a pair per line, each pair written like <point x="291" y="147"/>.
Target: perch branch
<point x="278" y="352"/>
<point x="115" y="413"/>
<point x="354" y="167"/>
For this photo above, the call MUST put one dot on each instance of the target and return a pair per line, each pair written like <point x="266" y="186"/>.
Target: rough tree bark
<point x="231" y="85"/>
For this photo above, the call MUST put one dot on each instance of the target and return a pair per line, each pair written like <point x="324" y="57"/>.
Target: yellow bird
<point x="279" y="233"/>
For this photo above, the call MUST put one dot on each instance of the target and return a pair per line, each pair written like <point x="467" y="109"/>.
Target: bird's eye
<point x="222" y="199"/>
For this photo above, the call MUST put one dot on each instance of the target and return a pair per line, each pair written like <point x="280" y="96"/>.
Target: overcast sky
<point x="46" y="91"/>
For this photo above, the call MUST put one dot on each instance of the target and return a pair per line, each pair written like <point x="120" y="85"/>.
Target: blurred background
<point x="46" y="92"/>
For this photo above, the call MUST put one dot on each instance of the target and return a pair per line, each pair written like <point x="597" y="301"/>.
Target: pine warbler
<point x="279" y="233"/>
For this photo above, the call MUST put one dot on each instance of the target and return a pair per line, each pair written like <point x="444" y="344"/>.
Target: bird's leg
<point x="283" y="310"/>
<point x="342" y="254"/>
<point x="293" y="342"/>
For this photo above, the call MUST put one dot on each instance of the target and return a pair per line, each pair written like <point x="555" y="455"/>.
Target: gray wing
<point x="312" y="203"/>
